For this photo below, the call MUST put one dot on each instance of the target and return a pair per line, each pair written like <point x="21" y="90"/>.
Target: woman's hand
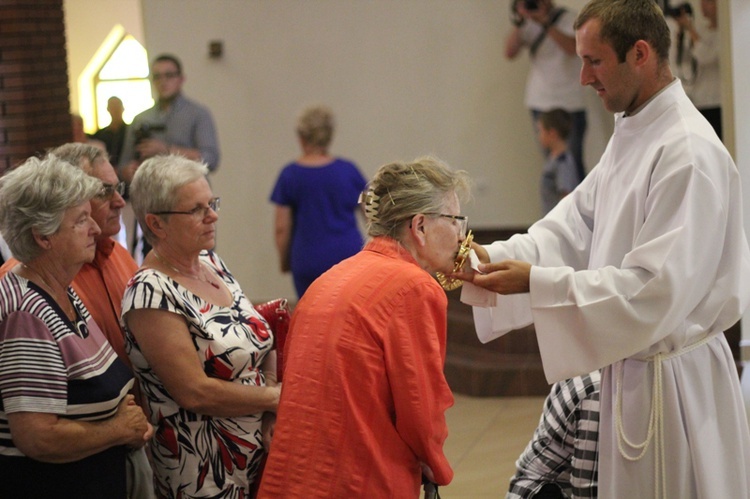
<point x="275" y="392"/>
<point x="53" y="439"/>
<point x="267" y="427"/>
<point x="165" y="342"/>
<point x="132" y="422"/>
<point x="427" y="472"/>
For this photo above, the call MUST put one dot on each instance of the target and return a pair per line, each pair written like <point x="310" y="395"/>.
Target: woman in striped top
<point x="66" y="418"/>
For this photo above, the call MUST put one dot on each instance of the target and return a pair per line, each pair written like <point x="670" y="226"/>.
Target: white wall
<point x="405" y="78"/>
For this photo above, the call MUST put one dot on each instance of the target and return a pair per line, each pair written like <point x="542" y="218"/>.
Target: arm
<point x="414" y="364"/>
<point x="513" y="43"/>
<point x="566" y="42"/>
<point x="685" y="22"/>
<point x="705" y="48"/>
<point x="283" y="223"/>
<point x="206" y="141"/>
<point x="268" y="424"/>
<point x="165" y="341"/>
<point x="543" y="17"/>
<point x="50" y="438"/>
<point x="199" y="143"/>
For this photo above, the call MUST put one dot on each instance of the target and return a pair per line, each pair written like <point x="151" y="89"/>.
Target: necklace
<point x="202" y="277"/>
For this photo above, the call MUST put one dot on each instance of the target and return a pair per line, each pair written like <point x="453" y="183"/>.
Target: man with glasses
<point x="175" y="125"/>
<point x="101" y="283"/>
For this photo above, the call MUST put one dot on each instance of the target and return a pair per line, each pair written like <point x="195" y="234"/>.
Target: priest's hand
<point x="482" y="254"/>
<point x="506" y="278"/>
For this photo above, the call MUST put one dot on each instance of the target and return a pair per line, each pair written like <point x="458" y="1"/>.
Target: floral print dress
<point x="194" y="455"/>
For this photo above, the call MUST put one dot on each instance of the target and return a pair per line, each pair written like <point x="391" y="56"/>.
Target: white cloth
<point x="553" y="79"/>
<point x="648" y="255"/>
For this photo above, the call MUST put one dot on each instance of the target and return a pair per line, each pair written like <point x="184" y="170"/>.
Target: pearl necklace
<point x="202" y="277"/>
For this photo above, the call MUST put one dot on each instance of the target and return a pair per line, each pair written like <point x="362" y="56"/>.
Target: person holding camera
<point x="552" y="82"/>
<point x="175" y="125"/>
<point x="698" y="49"/>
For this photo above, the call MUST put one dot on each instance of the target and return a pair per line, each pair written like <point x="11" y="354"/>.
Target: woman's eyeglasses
<point x="198" y="211"/>
<point x="461" y="220"/>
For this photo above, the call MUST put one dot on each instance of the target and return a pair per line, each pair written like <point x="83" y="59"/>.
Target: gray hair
<point x="315" y="126"/>
<point x="77" y="153"/>
<point x="401" y="190"/>
<point x="35" y="196"/>
<point x="156" y="182"/>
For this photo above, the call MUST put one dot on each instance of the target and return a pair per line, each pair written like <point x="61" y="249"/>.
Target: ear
<point x="156" y="225"/>
<point x="417" y="229"/>
<point x="43" y="242"/>
<point x="642" y="53"/>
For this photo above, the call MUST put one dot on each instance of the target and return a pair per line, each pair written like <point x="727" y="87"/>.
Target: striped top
<point x="48" y="364"/>
<point x="564" y="448"/>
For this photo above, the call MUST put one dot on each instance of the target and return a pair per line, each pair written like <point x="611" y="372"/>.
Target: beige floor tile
<point x="485" y="437"/>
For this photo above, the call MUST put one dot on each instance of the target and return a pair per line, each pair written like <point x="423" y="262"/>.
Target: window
<point x="119" y="68"/>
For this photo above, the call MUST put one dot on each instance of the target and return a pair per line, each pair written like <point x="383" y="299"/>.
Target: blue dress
<point x="324" y="202"/>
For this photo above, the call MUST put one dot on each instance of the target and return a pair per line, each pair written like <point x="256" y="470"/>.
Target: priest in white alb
<point x="638" y="272"/>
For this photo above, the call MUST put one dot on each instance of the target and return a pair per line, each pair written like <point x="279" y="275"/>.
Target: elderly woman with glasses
<point x="66" y="419"/>
<point x="199" y="348"/>
<point x="362" y="408"/>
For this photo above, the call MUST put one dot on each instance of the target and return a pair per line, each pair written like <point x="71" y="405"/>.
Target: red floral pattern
<point x="195" y="455"/>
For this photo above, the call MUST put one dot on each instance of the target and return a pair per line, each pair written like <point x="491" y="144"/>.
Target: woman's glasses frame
<point x="202" y="211"/>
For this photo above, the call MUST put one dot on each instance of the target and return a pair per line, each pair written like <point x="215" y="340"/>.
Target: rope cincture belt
<point x="656" y="418"/>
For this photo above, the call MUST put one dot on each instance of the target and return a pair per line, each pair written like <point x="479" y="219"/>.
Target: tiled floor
<point x="485" y="437"/>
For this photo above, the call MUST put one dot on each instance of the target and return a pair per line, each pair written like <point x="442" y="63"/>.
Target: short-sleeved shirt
<point x="50" y="365"/>
<point x="559" y="178"/>
<point x="554" y="75"/>
<point x="324" y="203"/>
<point x="185" y="123"/>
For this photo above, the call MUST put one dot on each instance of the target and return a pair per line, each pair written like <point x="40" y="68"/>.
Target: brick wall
<point x="34" y="99"/>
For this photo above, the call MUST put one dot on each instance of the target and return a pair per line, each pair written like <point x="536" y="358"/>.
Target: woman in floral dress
<point x="201" y="351"/>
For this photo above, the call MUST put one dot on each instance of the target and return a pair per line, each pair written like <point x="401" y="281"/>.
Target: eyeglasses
<point x="461" y="220"/>
<point x="165" y="76"/>
<point x="198" y="211"/>
<point x="108" y="190"/>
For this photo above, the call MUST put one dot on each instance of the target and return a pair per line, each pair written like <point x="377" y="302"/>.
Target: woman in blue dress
<point x="316" y="203"/>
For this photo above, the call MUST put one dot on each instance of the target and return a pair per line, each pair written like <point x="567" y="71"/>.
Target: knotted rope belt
<point x="655" y="431"/>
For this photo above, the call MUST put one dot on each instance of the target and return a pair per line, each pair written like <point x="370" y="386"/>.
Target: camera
<point x="146" y="131"/>
<point x="515" y="16"/>
<point x="683" y="8"/>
